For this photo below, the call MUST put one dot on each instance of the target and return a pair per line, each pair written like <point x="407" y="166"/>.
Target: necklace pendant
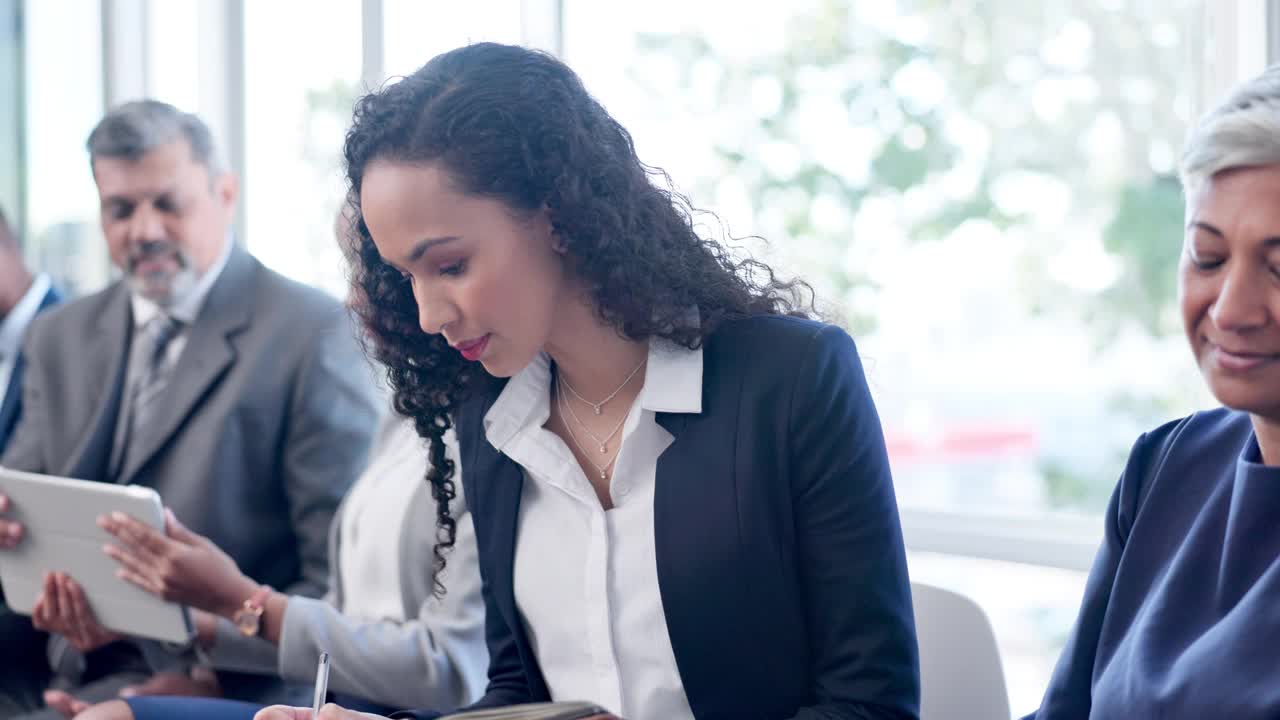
<point x="603" y="476"/>
<point x="598" y="410"/>
<point x="603" y="449"/>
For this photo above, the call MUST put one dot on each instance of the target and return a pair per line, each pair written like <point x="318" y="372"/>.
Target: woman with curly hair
<point x="677" y="478"/>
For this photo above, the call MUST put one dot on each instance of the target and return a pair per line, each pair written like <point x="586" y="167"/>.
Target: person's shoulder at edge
<point x="767" y="351"/>
<point x="1189" y="436"/>
<point x="300" y="315"/>
<point x="780" y="338"/>
<point x="272" y="286"/>
<point x="1158" y="455"/>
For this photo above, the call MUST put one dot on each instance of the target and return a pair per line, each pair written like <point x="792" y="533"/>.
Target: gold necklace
<point x="602" y="442"/>
<point x="602" y="469"/>
<point x="597" y="406"/>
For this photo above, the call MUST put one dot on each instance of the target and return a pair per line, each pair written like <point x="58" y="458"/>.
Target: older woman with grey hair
<point x="1181" y="614"/>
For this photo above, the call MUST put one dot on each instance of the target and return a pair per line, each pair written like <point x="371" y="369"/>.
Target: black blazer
<point x="779" y="551"/>
<point x="11" y="407"/>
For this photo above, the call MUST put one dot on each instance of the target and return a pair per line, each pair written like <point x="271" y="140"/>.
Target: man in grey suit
<point x="241" y="396"/>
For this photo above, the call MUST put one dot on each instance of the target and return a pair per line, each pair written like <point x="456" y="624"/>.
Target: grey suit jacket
<point x="264" y="422"/>
<point x="436" y="658"/>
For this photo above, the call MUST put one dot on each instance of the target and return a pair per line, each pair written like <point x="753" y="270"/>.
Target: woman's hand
<point x="178" y="565"/>
<point x="328" y="712"/>
<point x="62" y="608"/>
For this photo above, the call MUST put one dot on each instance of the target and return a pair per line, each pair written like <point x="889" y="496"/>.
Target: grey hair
<point x="136" y="128"/>
<point x="1244" y="131"/>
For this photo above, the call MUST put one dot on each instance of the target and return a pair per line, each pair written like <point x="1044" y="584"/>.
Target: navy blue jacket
<point x="1181" y="614"/>
<point x="779" y="551"/>
<point x="11" y="407"/>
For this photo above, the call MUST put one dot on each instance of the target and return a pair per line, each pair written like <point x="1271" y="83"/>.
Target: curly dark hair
<point x="518" y="126"/>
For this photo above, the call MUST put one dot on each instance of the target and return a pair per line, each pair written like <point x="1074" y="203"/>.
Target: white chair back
<point x="960" y="673"/>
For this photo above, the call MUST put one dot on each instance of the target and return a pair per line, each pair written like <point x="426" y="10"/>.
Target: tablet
<point x="61" y="533"/>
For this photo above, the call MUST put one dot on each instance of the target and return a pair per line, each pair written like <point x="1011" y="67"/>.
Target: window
<point x="11" y="74"/>
<point x="299" y="89"/>
<point x="416" y="31"/>
<point x="986" y="193"/>
<point x="63" y="101"/>
<point x="172" y="42"/>
<point x="1030" y="621"/>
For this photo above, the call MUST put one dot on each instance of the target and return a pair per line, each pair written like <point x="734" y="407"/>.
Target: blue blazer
<point x="11" y="407"/>
<point x="779" y="551"/>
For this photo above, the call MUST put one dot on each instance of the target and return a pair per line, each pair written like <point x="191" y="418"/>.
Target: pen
<point x="322" y="685"/>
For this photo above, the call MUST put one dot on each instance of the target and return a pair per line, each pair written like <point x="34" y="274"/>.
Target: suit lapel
<point x="495" y="484"/>
<point x="107" y="349"/>
<point x="698" y="548"/>
<point x="507" y="485"/>
<point x="205" y="359"/>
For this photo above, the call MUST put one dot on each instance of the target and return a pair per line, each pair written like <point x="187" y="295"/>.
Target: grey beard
<point x="180" y="285"/>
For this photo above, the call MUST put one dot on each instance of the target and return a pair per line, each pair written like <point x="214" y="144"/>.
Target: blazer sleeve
<point x="852" y="562"/>
<point x="1070" y="691"/>
<point x="434" y="660"/>
<point x="507" y="682"/>
<point x="333" y="415"/>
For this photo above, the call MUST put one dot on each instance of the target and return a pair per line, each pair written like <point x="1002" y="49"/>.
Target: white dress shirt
<point x="586" y="579"/>
<point x="14" y="327"/>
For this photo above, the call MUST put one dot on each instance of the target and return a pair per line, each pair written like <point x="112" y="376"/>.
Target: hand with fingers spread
<point x="177" y="565"/>
<point x="62" y="608"/>
<point x="10" y="531"/>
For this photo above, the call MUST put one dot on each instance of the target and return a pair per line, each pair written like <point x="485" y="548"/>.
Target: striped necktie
<point x="149" y="373"/>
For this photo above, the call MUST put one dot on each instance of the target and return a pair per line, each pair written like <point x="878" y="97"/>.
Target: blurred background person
<point x="22" y="295"/>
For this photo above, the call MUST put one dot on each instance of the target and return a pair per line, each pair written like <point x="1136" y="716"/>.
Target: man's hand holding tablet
<point x="62" y="608"/>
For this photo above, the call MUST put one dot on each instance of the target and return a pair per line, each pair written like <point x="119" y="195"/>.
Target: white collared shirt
<point x="586" y="580"/>
<point x="14" y="328"/>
